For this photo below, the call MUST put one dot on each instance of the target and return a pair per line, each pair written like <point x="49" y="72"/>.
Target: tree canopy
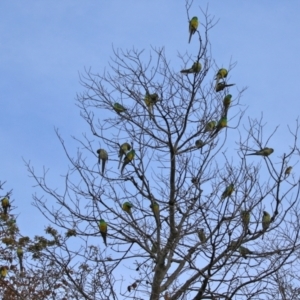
<point x="170" y="195"/>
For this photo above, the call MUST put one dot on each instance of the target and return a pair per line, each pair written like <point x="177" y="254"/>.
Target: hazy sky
<point x="44" y="45"/>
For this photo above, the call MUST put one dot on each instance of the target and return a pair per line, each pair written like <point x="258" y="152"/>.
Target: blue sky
<point x="46" y="44"/>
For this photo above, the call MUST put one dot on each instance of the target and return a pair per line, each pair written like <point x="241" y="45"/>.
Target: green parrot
<point x="244" y="251"/>
<point x="20" y="257"/>
<point x="155" y="210"/>
<point x="222" y="85"/>
<point x="210" y="126"/>
<point x="128" y="158"/>
<point x="102" y="156"/>
<point x="221" y="124"/>
<point x="288" y="171"/>
<point x="124" y="148"/>
<point x="245" y="215"/>
<point x="193" y="25"/>
<point x="263" y="152"/>
<point x="201" y="235"/>
<point x="5" y="204"/>
<point x="226" y="103"/>
<point x="222" y="73"/>
<point x="127" y="207"/>
<point x="228" y="191"/>
<point x="199" y="144"/>
<point x="196" y="68"/>
<point x="3" y="271"/>
<point x="266" y="220"/>
<point x="150" y="100"/>
<point x="119" y="108"/>
<point x="103" y="230"/>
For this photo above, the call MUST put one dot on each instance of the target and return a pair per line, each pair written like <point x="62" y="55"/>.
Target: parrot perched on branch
<point x="245" y="251"/>
<point x="245" y="215"/>
<point x="228" y="191"/>
<point x="102" y="156"/>
<point x="222" y="73"/>
<point x="155" y="210"/>
<point x="193" y="25"/>
<point x="288" y="171"/>
<point x="119" y="108"/>
<point x="201" y="235"/>
<point x="266" y="220"/>
<point x="226" y="103"/>
<point x="103" y="230"/>
<point x="222" y="85"/>
<point x="128" y="158"/>
<point x="150" y="100"/>
<point x="221" y="124"/>
<point x="5" y="204"/>
<point x="196" y="68"/>
<point x="199" y="144"/>
<point x="263" y="152"/>
<point x="210" y="126"/>
<point x="124" y="148"/>
<point x="127" y="207"/>
<point x="20" y="257"/>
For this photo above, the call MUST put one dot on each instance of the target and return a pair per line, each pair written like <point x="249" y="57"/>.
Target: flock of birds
<point x="212" y="127"/>
<point x="126" y="151"/>
<point x="215" y="127"/>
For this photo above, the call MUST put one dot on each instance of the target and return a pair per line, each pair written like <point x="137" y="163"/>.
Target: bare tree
<point x="188" y="217"/>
